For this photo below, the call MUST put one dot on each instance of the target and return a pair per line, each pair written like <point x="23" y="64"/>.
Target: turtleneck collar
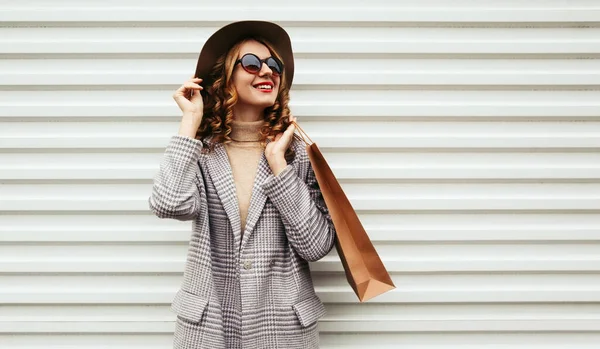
<point x="245" y="130"/>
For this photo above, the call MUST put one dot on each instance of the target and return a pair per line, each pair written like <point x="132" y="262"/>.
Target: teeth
<point x="264" y="87"/>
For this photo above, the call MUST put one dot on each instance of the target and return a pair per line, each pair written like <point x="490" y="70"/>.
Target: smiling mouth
<point x="265" y="89"/>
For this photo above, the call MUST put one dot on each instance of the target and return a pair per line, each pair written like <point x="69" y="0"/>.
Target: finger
<point x="287" y="134"/>
<point x="188" y="90"/>
<point x="290" y="128"/>
<point x="180" y="91"/>
<point x="184" y="90"/>
<point x="193" y="90"/>
<point x="191" y="85"/>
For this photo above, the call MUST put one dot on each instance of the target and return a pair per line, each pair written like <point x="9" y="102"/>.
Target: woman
<point x="238" y="173"/>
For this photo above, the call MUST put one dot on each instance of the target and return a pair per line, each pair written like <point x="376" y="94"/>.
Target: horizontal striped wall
<point x="465" y="133"/>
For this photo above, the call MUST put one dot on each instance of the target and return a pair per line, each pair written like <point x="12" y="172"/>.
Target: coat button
<point x="247" y="265"/>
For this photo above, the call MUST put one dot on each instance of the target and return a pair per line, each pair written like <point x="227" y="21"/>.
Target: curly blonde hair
<point x="221" y="97"/>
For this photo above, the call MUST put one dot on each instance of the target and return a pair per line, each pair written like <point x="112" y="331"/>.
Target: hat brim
<point x="223" y="39"/>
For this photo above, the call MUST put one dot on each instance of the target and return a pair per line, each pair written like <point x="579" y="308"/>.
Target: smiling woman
<point x="237" y="170"/>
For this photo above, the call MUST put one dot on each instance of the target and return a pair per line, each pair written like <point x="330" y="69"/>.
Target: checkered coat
<point x="254" y="292"/>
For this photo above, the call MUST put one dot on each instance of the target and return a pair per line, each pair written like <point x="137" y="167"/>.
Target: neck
<point x="244" y="112"/>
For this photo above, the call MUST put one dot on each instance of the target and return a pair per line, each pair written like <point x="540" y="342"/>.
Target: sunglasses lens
<point x="274" y="65"/>
<point x="251" y="63"/>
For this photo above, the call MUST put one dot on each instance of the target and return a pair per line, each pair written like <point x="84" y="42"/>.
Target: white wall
<point x="465" y="133"/>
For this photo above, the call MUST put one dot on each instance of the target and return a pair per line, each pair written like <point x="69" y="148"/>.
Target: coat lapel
<point x="257" y="199"/>
<point x="221" y="174"/>
<point x="222" y="177"/>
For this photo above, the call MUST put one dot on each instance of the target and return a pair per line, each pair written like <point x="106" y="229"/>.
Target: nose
<point x="264" y="69"/>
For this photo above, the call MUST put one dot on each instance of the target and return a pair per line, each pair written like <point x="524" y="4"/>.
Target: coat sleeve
<point x="308" y="225"/>
<point x="178" y="185"/>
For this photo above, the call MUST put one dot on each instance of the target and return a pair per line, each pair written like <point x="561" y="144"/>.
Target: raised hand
<point x="275" y="150"/>
<point x="189" y="100"/>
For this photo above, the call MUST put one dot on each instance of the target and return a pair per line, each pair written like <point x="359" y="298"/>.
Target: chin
<point x="265" y="103"/>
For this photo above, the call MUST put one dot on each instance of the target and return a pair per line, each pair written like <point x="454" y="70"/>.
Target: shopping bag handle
<point x="303" y="133"/>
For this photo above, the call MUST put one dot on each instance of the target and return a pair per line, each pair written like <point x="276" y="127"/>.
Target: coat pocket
<point x="309" y="310"/>
<point x="189" y="306"/>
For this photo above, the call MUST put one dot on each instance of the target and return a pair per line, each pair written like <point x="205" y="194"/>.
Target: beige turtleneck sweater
<point x="244" y="158"/>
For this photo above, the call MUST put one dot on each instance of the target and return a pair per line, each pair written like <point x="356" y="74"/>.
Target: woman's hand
<point x="275" y="150"/>
<point x="190" y="102"/>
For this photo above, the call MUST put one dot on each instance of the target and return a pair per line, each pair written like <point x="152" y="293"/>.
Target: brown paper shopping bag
<point x="364" y="270"/>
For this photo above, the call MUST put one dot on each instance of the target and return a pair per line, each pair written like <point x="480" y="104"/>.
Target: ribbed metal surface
<point x="465" y="133"/>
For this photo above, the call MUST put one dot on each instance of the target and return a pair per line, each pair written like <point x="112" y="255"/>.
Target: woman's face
<point x="246" y="84"/>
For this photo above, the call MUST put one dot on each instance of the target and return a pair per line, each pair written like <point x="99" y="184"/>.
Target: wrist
<point x="278" y="166"/>
<point x="188" y="126"/>
<point x="187" y="131"/>
<point x="188" y="115"/>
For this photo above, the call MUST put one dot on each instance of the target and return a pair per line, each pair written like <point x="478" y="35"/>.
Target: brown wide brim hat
<point x="223" y="39"/>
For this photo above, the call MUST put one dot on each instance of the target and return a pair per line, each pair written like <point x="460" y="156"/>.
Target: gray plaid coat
<point x="253" y="292"/>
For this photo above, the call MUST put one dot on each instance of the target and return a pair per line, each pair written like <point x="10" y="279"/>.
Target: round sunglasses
<point x="252" y="64"/>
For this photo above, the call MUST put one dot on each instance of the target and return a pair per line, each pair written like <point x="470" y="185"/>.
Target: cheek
<point x="242" y="81"/>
